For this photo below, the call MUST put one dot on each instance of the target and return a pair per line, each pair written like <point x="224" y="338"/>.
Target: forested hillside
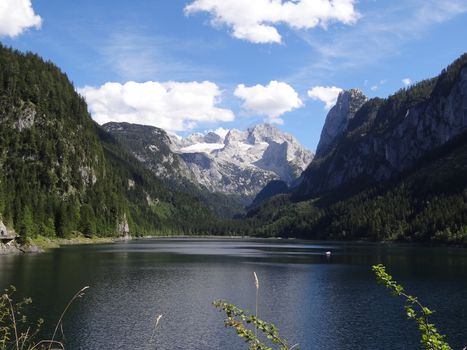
<point x="427" y="204"/>
<point x="398" y="172"/>
<point x="61" y="173"/>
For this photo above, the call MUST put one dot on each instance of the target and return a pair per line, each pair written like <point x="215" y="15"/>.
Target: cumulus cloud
<point x="174" y="106"/>
<point x="16" y="16"/>
<point x="406" y="81"/>
<point x="256" y="20"/>
<point x="326" y="94"/>
<point x="271" y="100"/>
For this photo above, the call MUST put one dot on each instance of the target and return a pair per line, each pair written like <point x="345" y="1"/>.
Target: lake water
<point x="318" y="302"/>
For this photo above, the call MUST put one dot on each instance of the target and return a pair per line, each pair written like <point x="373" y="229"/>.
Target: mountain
<point x="61" y="173"/>
<point x="273" y="188"/>
<point x="233" y="163"/>
<point x="394" y="169"/>
<point x="338" y="118"/>
<point x="153" y="148"/>
<point x="243" y="162"/>
<point x="388" y="136"/>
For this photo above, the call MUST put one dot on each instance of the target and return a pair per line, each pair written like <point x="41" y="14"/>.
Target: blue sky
<point x="193" y="65"/>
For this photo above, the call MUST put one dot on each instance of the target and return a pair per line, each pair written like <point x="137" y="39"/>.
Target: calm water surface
<point x="319" y="302"/>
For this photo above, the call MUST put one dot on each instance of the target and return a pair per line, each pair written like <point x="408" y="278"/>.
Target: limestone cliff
<point x="388" y="136"/>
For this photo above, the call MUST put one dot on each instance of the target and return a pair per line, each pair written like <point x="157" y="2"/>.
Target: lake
<point x="317" y="301"/>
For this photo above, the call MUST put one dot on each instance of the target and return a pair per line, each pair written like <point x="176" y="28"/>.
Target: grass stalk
<point x="256" y="303"/>
<point x="78" y="294"/>
<point x="13" y="318"/>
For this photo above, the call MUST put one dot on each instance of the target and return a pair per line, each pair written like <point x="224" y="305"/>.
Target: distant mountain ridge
<point x="244" y="161"/>
<point x="235" y="162"/>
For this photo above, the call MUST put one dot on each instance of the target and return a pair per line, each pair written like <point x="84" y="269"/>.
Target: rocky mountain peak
<point x="234" y="162"/>
<point x="243" y="161"/>
<point x="212" y="137"/>
<point x="347" y="104"/>
<point x="265" y="133"/>
<point x="398" y="132"/>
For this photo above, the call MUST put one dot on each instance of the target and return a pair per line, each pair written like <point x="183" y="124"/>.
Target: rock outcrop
<point x="237" y="163"/>
<point x="337" y="120"/>
<point x="245" y="161"/>
<point x="388" y="136"/>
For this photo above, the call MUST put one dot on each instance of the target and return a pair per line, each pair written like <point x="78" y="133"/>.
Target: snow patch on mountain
<point x="242" y="162"/>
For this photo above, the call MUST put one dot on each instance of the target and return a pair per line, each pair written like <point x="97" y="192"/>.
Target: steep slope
<point x="426" y="204"/>
<point x="236" y="164"/>
<point x="153" y="149"/>
<point x="396" y="171"/>
<point x="273" y="188"/>
<point x="243" y="162"/>
<point x="387" y="137"/>
<point x="55" y="175"/>
<point x="338" y="118"/>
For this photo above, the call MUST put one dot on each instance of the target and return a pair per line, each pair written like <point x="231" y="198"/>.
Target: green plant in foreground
<point x="244" y="322"/>
<point x="239" y="319"/>
<point x="431" y="339"/>
<point x="16" y="331"/>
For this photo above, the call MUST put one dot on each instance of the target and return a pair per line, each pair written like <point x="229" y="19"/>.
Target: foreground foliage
<point x="430" y="338"/>
<point x="245" y="325"/>
<point x="16" y="330"/>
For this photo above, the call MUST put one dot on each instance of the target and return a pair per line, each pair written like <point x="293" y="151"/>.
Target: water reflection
<point x="320" y="302"/>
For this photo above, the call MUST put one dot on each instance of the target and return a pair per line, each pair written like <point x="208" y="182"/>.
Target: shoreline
<point x="41" y="244"/>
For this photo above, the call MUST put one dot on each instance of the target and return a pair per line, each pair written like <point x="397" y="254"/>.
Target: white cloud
<point x="174" y="106"/>
<point x="271" y="100"/>
<point x="406" y="81"/>
<point x="382" y="32"/>
<point x="374" y="88"/>
<point x="256" y="20"/>
<point x="16" y="16"/>
<point x="326" y="94"/>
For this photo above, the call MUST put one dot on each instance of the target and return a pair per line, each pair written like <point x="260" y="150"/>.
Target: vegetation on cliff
<point x="61" y="173"/>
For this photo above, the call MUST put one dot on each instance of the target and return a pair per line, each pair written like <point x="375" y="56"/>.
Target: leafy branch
<point x="431" y="339"/>
<point x="241" y="320"/>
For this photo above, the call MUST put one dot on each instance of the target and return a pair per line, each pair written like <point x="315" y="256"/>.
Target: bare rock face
<point x="123" y="229"/>
<point x="238" y="162"/>
<point x="3" y="230"/>
<point x="337" y="120"/>
<point x="26" y="117"/>
<point x="243" y="162"/>
<point x="393" y="134"/>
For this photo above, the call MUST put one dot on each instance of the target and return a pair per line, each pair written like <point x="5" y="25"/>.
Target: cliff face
<point x="386" y="137"/>
<point x="243" y="162"/>
<point x="237" y="163"/>
<point x="337" y="120"/>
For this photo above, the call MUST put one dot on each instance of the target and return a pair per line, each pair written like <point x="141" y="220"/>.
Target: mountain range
<point x="235" y="163"/>
<point x="391" y="168"/>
